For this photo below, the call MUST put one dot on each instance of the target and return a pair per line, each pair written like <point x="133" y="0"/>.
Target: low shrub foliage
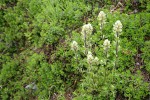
<point x="76" y="50"/>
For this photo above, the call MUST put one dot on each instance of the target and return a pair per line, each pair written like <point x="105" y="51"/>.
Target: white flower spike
<point x="89" y="57"/>
<point x="102" y="19"/>
<point x="96" y="60"/>
<point x="86" y="30"/>
<point x="117" y="27"/>
<point x="74" y="46"/>
<point x="106" y="44"/>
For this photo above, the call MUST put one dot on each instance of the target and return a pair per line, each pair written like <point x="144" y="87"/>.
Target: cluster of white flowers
<point x="91" y="59"/>
<point x="86" y="35"/>
<point x="96" y="60"/>
<point x="74" y="46"/>
<point x="117" y="27"/>
<point x="86" y="30"/>
<point x="106" y="45"/>
<point x="101" y="18"/>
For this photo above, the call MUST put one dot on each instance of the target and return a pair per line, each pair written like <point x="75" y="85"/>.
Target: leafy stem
<point x="85" y="44"/>
<point x="117" y="45"/>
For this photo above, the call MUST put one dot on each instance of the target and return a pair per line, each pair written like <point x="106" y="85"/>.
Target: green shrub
<point x="37" y="62"/>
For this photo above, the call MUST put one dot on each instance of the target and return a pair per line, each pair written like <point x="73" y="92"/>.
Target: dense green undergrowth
<point x="36" y="60"/>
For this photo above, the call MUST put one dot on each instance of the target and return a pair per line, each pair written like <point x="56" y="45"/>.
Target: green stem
<point x="117" y="44"/>
<point x="116" y="61"/>
<point x="92" y="76"/>
<point x="106" y="57"/>
<point x="101" y="27"/>
<point x="76" y="55"/>
<point x="85" y="44"/>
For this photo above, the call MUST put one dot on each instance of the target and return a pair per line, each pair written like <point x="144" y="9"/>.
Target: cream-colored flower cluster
<point x="91" y="59"/>
<point x="86" y="30"/>
<point x="101" y="18"/>
<point x="74" y="46"/>
<point x="117" y="27"/>
<point x="106" y="45"/>
<point x="96" y="61"/>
